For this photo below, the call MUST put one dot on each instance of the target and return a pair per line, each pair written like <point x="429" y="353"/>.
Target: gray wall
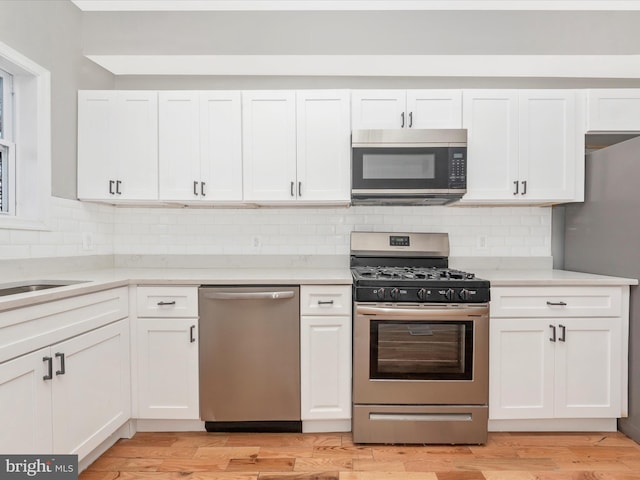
<point x="49" y="33"/>
<point x="418" y="33"/>
<point x="423" y="32"/>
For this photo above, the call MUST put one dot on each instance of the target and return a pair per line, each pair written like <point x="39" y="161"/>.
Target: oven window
<point x="421" y="350"/>
<point x="377" y="166"/>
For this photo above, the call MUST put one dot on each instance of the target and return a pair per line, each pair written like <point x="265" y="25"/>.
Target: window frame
<point x="30" y="146"/>
<point x="8" y="165"/>
<point x="7" y="148"/>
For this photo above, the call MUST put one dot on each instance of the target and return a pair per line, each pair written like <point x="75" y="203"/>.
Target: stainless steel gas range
<point x="421" y="342"/>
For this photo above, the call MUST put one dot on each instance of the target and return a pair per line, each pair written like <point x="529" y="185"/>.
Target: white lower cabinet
<point x="25" y="397"/>
<point x="552" y="363"/>
<point x="325" y="357"/>
<point x="68" y="397"/>
<point x="167" y="368"/>
<point x="167" y="352"/>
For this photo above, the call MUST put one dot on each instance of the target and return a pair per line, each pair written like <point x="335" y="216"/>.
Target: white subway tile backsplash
<point x="507" y="231"/>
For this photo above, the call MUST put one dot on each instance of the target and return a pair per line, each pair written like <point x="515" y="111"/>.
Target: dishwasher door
<point x="250" y="358"/>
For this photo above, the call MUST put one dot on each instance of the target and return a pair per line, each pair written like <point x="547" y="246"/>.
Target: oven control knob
<point x="422" y="294"/>
<point x="449" y="294"/>
<point x="395" y="293"/>
<point x="465" y="294"/>
<point x="380" y="293"/>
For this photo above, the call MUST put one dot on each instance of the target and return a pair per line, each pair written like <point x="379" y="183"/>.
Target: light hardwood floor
<point x="333" y="456"/>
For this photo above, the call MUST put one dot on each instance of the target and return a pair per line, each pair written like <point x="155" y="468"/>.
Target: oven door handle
<point x="462" y="310"/>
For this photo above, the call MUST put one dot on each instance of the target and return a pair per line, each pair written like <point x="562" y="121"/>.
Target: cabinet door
<point x="136" y="145"/>
<point x="434" y="108"/>
<point x="323" y="145"/>
<point x="588" y="366"/>
<point x="91" y="394"/>
<point x="25" y="397"/>
<point x="548" y="138"/>
<point x="269" y="145"/>
<point x="179" y="145"/>
<point x="613" y="109"/>
<point x="491" y="120"/>
<point x="221" y="145"/>
<point x="325" y="367"/>
<point x="378" y="109"/>
<point x="168" y="368"/>
<point x="97" y="145"/>
<point x="521" y="362"/>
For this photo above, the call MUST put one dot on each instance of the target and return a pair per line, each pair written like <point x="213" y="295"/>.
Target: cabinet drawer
<point x="325" y="300"/>
<point x="173" y="301"/>
<point x="556" y="302"/>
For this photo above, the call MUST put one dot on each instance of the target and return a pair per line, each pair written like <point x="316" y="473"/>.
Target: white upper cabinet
<point x="381" y="109"/>
<point x="524" y="146"/>
<point x="200" y="146"/>
<point x="117" y="145"/>
<point x="615" y="109"/>
<point x="323" y="146"/>
<point x="269" y="145"/>
<point x="296" y="146"/>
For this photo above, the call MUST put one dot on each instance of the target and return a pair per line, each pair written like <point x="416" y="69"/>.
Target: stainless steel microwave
<point x="408" y="166"/>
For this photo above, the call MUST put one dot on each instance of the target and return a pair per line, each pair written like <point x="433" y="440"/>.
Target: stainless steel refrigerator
<point x="602" y="235"/>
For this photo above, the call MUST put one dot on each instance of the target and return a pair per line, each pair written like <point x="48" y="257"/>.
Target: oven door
<point x="421" y="354"/>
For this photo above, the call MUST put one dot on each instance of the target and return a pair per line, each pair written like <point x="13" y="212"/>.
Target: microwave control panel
<point x="457" y="168"/>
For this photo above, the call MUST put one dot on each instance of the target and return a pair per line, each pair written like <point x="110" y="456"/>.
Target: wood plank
<point x="334" y="456"/>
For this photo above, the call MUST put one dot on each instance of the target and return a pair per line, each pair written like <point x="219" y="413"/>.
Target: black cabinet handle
<point x="325" y="302"/>
<point x="111" y="182"/>
<point x="192" y="337"/>
<point x="62" y="370"/>
<point x="161" y="304"/>
<point x="118" y="192"/>
<point x="49" y="375"/>
<point x="299" y="189"/>
<point x="293" y="193"/>
<point x="410" y="119"/>
<point x="556" y="304"/>
<point x="202" y="184"/>
<point x="563" y="333"/>
<point x="402" y="116"/>
<point x="524" y="187"/>
<point x="195" y="188"/>
<point x="517" y="184"/>
<point x="553" y="333"/>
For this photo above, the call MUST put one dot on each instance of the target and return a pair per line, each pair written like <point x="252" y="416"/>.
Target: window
<point x="7" y="164"/>
<point x="25" y="142"/>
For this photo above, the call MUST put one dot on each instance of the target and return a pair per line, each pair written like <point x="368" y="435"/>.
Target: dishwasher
<point x="249" y="358"/>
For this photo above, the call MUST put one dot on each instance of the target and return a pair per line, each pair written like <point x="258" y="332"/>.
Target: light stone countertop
<point x="549" y="278"/>
<point x="105" y="278"/>
<point x="102" y="279"/>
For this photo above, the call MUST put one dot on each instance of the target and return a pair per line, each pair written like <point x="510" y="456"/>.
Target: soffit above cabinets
<point x="353" y="5"/>
<point x="515" y="66"/>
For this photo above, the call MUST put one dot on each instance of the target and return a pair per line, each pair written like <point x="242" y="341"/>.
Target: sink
<point x="34" y="286"/>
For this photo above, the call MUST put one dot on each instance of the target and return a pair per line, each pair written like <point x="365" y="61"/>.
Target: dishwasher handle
<point x="250" y="295"/>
